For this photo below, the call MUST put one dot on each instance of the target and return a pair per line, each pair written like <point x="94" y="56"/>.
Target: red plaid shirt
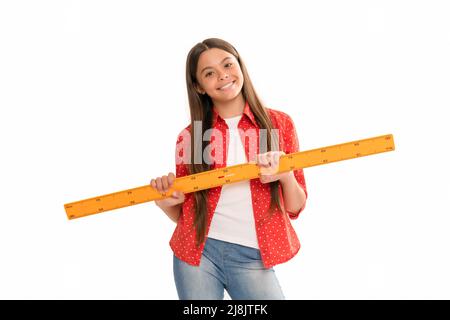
<point x="277" y="239"/>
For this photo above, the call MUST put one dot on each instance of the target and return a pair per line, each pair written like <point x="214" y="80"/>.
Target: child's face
<point x="216" y="68"/>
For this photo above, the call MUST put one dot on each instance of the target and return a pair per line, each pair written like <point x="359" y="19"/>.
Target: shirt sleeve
<point x="182" y="153"/>
<point x="291" y="145"/>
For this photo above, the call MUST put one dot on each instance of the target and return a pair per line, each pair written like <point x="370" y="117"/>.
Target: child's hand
<point x="163" y="184"/>
<point x="269" y="163"/>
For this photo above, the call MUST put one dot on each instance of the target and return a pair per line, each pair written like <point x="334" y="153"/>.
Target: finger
<point x="262" y="160"/>
<point x="177" y="194"/>
<point x="153" y="183"/>
<point x="171" y="178"/>
<point x="181" y="195"/>
<point x="165" y="183"/>
<point x="159" y="185"/>
<point x="276" y="161"/>
<point x="270" y="158"/>
<point x="272" y="167"/>
<point x="276" y="158"/>
<point x="265" y="178"/>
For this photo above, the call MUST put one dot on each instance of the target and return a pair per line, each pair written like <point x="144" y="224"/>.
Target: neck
<point x="231" y="108"/>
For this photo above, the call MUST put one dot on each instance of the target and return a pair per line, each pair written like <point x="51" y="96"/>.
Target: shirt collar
<point x="247" y="111"/>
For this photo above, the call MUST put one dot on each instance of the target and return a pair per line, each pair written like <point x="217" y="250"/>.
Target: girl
<point x="230" y="237"/>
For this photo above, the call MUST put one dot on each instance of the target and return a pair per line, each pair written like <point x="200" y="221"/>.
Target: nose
<point x="224" y="75"/>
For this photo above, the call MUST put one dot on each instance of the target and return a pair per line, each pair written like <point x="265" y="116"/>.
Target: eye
<point x="207" y="74"/>
<point x="229" y="64"/>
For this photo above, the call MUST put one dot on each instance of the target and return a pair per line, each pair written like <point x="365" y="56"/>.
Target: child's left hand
<point x="269" y="163"/>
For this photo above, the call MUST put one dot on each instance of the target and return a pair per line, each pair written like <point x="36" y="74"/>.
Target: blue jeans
<point x="226" y="266"/>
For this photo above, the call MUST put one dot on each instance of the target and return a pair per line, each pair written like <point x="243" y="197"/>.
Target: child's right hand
<point x="163" y="184"/>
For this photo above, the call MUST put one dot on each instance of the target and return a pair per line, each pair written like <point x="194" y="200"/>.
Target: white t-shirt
<point x="233" y="219"/>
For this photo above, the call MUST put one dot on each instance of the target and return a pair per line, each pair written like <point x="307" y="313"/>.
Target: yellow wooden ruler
<point x="231" y="174"/>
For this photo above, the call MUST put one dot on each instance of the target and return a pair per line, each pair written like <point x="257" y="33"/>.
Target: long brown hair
<point x="201" y="110"/>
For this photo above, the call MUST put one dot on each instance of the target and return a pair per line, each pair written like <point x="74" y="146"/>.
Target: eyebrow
<point x="211" y="67"/>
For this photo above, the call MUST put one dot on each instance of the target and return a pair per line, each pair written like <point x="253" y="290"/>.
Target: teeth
<point x="227" y="86"/>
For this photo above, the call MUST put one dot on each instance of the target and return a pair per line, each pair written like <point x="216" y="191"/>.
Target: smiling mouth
<point x="227" y="86"/>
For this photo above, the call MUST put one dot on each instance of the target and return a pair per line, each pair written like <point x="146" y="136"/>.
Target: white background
<point x="93" y="95"/>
